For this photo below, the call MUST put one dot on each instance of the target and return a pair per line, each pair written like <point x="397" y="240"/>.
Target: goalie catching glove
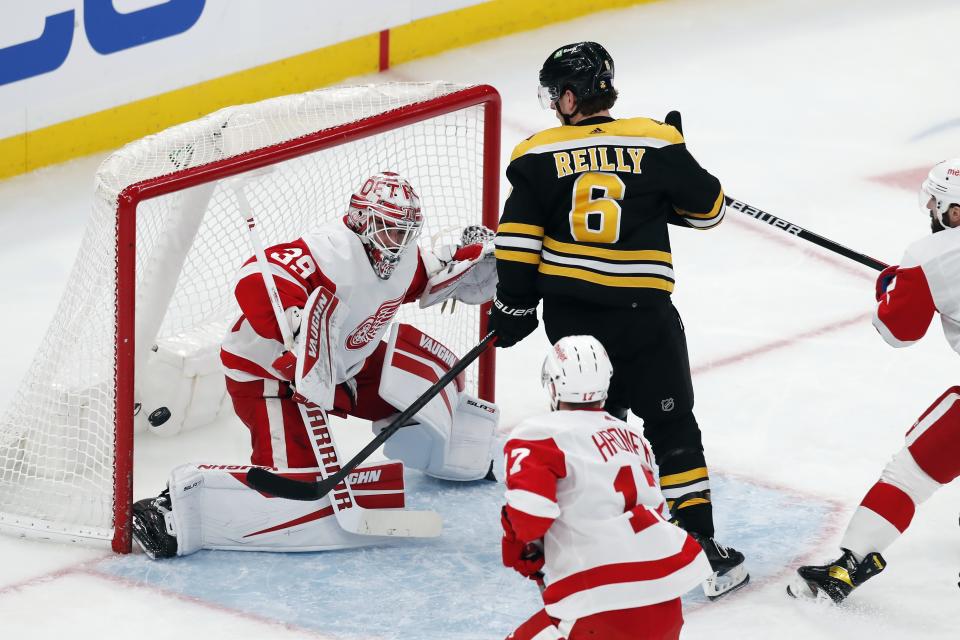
<point x="467" y="272"/>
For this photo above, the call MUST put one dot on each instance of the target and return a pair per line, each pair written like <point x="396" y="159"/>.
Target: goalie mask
<point x="385" y="214"/>
<point x="940" y="191"/>
<point x="577" y="370"/>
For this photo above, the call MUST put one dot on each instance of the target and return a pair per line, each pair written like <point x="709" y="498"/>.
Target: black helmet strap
<point x="567" y="116"/>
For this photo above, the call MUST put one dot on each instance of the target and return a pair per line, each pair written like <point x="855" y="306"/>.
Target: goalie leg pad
<point x="461" y="452"/>
<point x="213" y="508"/>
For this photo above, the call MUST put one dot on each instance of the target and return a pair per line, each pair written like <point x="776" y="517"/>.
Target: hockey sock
<point x="927" y="462"/>
<point x="685" y="484"/>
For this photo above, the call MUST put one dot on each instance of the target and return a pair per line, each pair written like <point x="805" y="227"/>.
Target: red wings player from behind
<point x="909" y="295"/>
<point x="584" y="515"/>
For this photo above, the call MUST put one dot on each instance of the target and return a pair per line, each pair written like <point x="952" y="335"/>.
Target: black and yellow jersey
<point x="588" y="211"/>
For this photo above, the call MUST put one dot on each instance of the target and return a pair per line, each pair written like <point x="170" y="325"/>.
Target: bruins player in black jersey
<point x="585" y="230"/>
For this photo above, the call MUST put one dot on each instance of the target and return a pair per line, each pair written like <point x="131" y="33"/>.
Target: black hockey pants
<point x="651" y="377"/>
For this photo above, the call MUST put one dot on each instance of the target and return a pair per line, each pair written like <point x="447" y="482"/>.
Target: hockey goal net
<point x="155" y="271"/>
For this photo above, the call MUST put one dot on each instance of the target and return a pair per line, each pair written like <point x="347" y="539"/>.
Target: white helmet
<point x="385" y="213"/>
<point x="943" y="185"/>
<point x="577" y="370"/>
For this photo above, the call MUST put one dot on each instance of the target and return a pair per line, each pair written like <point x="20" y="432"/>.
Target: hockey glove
<point x="674" y="120"/>
<point x="884" y="279"/>
<point x="512" y="320"/>
<point x="526" y="558"/>
<point x="286" y="366"/>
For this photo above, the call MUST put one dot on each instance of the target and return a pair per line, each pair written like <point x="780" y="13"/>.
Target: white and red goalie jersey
<point x="583" y="482"/>
<point x="926" y="282"/>
<point x="332" y="257"/>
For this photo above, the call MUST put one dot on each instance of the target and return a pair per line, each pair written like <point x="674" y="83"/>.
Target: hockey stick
<point x="800" y="232"/>
<point x="350" y="516"/>
<point x="247" y="212"/>
<point x="281" y="487"/>
<point x="673" y="118"/>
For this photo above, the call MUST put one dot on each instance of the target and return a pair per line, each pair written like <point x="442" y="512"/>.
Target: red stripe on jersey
<point x="622" y="572"/>
<point x="936" y="449"/>
<point x="232" y="361"/>
<point x="419" y="282"/>
<point x="891" y="504"/>
<point x="907" y="309"/>
<point x="417" y="368"/>
<point x="535" y="466"/>
<point x="527" y="527"/>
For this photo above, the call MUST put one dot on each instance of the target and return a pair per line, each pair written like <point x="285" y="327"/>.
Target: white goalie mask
<point x="385" y="213"/>
<point x="576" y="370"/>
<point x="943" y="186"/>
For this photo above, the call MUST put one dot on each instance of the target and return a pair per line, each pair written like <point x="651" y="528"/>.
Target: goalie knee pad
<point x="454" y="433"/>
<point x="462" y="451"/>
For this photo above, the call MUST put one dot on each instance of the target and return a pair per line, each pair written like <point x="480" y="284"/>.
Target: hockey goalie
<point x="339" y="288"/>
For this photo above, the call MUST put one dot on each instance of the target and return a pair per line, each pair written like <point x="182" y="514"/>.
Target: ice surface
<point x="801" y="108"/>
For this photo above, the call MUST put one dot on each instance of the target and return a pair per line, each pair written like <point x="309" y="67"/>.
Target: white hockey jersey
<point x="583" y="481"/>
<point x="331" y="256"/>
<point x="927" y="281"/>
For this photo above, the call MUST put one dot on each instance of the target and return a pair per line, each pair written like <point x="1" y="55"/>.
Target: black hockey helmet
<point x="583" y="67"/>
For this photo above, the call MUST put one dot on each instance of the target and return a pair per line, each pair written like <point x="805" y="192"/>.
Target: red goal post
<point x="437" y="135"/>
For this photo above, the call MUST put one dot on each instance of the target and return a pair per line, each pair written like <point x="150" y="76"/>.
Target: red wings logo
<point x="369" y="328"/>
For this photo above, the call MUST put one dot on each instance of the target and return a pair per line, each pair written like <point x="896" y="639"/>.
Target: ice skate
<point x="729" y="571"/>
<point x="834" y="581"/>
<point x="151" y="530"/>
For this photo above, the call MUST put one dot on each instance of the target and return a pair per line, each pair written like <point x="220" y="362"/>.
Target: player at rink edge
<point x="909" y="295"/>
<point x="364" y="265"/>
<point x="584" y="516"/>
<point x="604" y="267"/>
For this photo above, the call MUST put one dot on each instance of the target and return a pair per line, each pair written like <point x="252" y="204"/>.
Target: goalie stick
<point x="350" y="516"/>
<point x="673" y="118"/>
<point x="281" y="487"/>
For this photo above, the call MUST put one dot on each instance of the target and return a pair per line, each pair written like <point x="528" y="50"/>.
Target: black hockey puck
<point x="158" y="416"/>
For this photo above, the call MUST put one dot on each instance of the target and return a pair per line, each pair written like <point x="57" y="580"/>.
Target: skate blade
<point x="807" y="591"/>
<point x="717" y="586"/>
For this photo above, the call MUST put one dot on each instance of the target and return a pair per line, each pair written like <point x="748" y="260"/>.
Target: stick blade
<point x="277" y="485"/>
<point x="400" y="523"/>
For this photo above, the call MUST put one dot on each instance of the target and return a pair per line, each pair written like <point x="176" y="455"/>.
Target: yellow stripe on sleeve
<point x="704" y="216"/>
<point x="517" y="256"/>
<point x="519" y="227"/>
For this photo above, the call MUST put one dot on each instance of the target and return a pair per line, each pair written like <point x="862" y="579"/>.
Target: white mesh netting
<point x="57" y="437"/>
